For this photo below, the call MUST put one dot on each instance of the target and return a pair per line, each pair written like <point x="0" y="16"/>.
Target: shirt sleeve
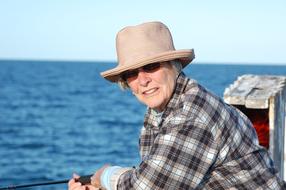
<point x="179" y="159"/>
<point x="110" y="176"/>
<point x="106" y="176"/>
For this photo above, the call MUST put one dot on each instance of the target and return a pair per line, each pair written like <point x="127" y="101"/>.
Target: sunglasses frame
<point x="150" y="68"/>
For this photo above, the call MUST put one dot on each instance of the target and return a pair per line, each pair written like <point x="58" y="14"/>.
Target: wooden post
<point x="264" y="92"/>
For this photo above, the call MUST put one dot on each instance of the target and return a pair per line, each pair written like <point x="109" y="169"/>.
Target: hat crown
<point x="134" y="43"/>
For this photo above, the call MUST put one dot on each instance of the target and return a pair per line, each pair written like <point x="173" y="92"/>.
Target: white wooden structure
<point x="264" y="92"/>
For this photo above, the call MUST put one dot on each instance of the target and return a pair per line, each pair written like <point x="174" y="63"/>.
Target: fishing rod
<point x="83" y="180"/>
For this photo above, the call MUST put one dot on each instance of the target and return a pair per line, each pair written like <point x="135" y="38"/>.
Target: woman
<point x="191" y="139"/>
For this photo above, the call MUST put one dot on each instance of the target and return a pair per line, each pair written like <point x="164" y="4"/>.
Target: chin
<point x="154" y="106"/>
<point x="154" y="102"/>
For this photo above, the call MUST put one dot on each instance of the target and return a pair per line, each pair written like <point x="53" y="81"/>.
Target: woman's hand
<point x="73" y="185"/>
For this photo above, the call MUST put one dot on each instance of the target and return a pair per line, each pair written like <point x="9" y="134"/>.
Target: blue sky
<point x="221" y="31"/>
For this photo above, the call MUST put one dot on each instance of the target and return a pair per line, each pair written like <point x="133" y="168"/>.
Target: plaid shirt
<point x="199" y="143"/>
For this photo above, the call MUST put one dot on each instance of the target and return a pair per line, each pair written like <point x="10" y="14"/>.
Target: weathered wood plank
<point x="254" y="91"/>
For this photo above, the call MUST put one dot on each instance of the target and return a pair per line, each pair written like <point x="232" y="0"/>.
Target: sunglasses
<point x="132" y="74"/>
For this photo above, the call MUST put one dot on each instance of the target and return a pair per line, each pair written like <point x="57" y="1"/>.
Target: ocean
<point x="57" y="118"/>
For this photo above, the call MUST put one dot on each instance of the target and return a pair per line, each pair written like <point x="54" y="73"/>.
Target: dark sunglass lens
<point x="151" y="67"/>
<point x="130" y="74"/>
<point x="147" y="68"/>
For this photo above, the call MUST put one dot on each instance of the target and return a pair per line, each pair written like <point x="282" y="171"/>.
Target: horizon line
<point x="114" y="61"/>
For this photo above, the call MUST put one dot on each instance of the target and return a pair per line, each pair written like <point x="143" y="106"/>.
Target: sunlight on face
<point x="154" y="89"/>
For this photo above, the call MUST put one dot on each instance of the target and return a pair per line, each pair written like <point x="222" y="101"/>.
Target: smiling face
<point x="154" y="88"/>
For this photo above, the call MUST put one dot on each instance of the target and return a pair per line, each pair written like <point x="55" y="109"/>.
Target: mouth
<point x="150" y="91"/>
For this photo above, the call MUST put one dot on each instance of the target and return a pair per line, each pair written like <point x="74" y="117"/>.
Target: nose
<point x="143" y="78"/>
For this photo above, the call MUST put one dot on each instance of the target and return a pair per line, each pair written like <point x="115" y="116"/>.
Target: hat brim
<point x="185" y="56"/>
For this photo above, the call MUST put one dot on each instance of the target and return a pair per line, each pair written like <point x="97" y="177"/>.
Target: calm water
<point x="57" y="118"/>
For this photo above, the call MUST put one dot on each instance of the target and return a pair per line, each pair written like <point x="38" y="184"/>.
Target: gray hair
<point x="176" y="65"/>
<point x="122" y="84"/>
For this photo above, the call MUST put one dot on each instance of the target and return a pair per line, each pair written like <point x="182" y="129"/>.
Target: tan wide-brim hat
<point x="143" y="44"/>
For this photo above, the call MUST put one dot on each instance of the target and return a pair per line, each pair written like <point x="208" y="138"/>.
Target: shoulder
<point x="197" y="105"/>
<point x="196" y="102"/>
<point x="193" y="107"/>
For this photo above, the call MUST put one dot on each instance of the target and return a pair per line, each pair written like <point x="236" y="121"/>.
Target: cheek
<point x="168" y="88"/>
<point x="133" y="86"/>
<point x="169" y="83"/>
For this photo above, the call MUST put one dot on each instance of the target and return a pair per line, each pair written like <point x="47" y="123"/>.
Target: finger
<point x="73" y="180"/>
<point x="76" y="176"/>
<point x="76" y="187"/>
<point x="73" y="185"/>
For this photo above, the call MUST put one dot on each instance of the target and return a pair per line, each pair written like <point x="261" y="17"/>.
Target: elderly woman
<point x="190" y="139"/>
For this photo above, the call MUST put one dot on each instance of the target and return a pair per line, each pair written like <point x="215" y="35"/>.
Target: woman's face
<point x="154" y="87"/>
